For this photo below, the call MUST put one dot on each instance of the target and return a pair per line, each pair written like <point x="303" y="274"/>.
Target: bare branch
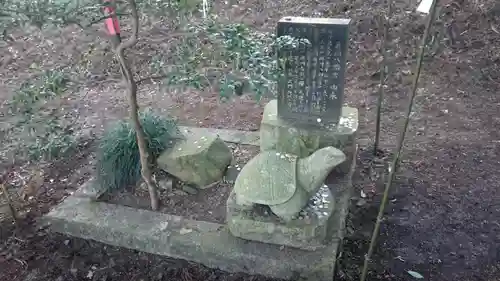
<point x="103" y="18"/>
<point x="135" y="29"/>
<point x="154" y="77"/>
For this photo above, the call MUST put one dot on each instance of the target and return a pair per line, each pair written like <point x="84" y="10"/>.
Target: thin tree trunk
<point x="128" y="78"/>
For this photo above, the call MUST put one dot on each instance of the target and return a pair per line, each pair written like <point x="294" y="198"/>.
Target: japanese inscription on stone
<point x="311" y="89"/>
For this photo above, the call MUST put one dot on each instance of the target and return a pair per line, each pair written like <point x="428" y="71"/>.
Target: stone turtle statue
<point x="283" y="181"/>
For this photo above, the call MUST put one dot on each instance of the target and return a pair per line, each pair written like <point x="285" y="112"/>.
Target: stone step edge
<point x="203" y="242"/>
<point x="232" y="136"/>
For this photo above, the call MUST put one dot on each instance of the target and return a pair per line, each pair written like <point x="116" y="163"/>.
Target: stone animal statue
<point x="284" y="182"/>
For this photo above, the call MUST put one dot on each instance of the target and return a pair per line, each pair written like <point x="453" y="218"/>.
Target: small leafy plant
<point x="40" y="13"/>
<point x="42" y="133"/>
<point x="234" y="56"/>
<point x="52" y="141"/>
<point x="50" y="85"/>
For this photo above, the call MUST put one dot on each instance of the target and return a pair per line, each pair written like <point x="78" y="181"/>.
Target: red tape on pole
<point x="112" y="24"/>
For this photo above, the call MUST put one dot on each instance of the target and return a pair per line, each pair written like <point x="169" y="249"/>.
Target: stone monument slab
<point x="311" y="89"/>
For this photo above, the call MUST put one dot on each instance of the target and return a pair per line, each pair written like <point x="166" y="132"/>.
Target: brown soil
<point x="207" y="204"/>
<point x="443" y="217"/>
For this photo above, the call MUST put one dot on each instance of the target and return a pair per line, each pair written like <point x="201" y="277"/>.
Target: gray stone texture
<point x="283" y="136"/>
<point x="342" y="190"/>
<point x="198" y="159"/>
<point x="207" y="243"/>
<point x="308" y="232"/>
<point x="252" y="225"/>
<point x="282" y="182"/>
<point x="233" y="136"/>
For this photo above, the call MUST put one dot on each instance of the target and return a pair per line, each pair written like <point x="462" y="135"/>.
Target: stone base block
<point x="283" y="136"/>
<point x="309" y="231"/>
<point x="207" y="243"/>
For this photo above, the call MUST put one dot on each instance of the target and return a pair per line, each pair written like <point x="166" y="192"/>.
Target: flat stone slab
<point x="207" y="243"/>
<point x="232" y="136"/>
<point x="309" y="231"/>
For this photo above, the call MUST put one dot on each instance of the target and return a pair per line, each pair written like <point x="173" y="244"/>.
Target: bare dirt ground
<point x="444" y="216"/>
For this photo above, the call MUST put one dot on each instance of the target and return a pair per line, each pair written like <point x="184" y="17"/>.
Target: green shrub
<point x="118" y="162"/>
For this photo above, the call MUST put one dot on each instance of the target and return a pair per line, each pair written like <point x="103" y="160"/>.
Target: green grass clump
<point x="118" y="163"/>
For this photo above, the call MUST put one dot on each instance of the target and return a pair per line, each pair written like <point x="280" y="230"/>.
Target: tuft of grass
<point x="118" y="162"/>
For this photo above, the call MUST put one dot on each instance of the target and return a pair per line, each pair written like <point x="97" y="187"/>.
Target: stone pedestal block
<point x="198" y="159"/>
<point x="309" y="231"/>
<point x="286" y="137"/>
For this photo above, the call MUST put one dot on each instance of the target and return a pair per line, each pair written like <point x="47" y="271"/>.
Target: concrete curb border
<point x="207" y="243"/>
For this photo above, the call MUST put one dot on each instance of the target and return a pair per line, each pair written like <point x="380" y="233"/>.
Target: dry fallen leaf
<point x="363" y="194"/>
<point x="185" y="231"/>
<point x="415" y="274"/>
<point x="494" y="29"/>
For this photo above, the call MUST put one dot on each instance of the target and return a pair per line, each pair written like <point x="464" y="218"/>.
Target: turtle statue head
<point x="313" y="170"/>
<point x="284" y="182"/>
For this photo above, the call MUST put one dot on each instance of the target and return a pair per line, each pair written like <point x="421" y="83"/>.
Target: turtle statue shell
<point x="269" y="178"/>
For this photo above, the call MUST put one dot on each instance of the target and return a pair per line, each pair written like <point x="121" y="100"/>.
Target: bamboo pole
<point x="385" y="23"/>
<point x="395" y="161"/>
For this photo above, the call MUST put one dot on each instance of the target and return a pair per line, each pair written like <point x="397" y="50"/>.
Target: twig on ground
<point x="154" y="77"/>
<point x="23" y="263"/>
<point x="9" y="202"/>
